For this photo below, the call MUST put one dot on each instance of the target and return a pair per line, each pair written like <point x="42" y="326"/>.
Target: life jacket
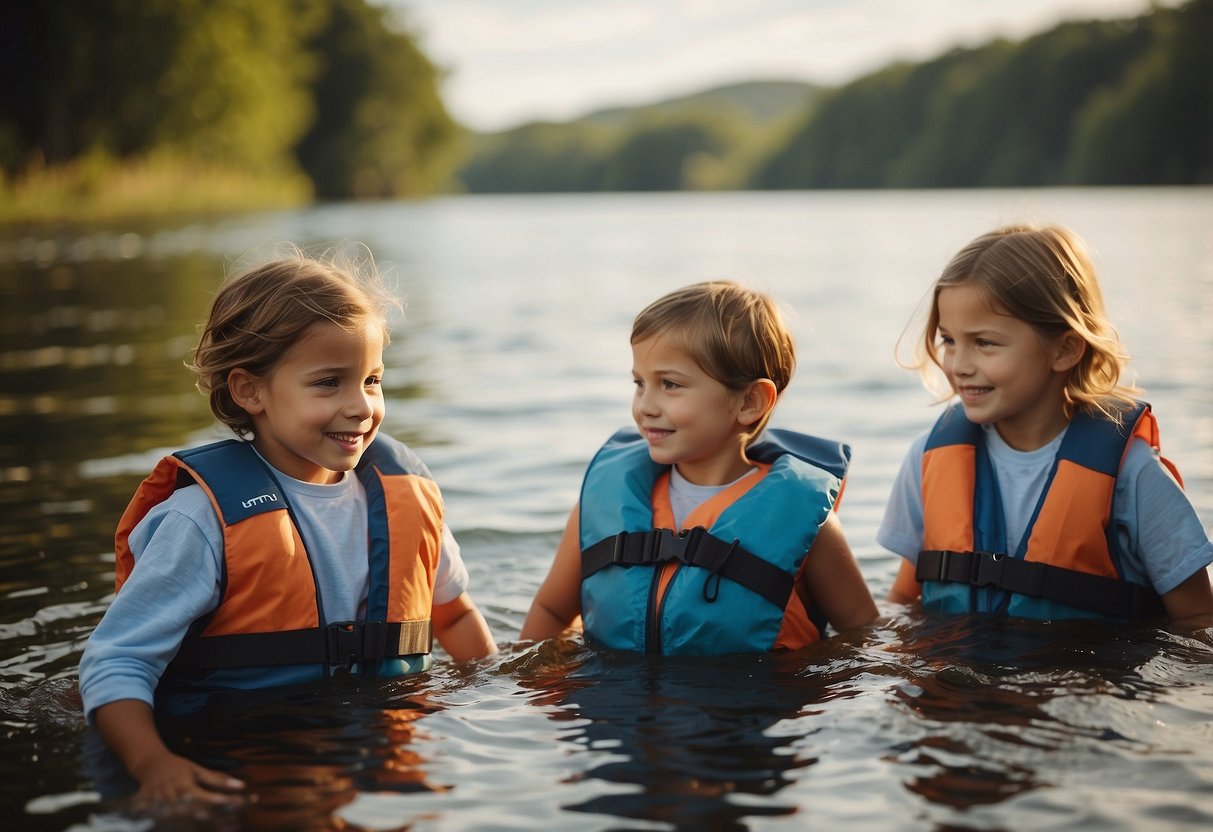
<point x="1067" y="565"/>
<point x="269" y="611"/>
<point x="726" y="583"/>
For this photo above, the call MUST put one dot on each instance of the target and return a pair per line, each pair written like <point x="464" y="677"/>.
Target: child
<point x="691" y="537"/>
<point x="316" y="544"/>
<point x="1042" y="493"/>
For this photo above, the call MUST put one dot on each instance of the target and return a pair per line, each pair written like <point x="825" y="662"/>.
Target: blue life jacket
<point x="723" y="587"/>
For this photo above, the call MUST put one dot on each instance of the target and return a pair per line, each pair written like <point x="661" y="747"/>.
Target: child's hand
<point x="169" y="783"/>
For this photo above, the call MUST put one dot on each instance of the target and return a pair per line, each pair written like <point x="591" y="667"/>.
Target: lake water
<point x="510" y="368"/>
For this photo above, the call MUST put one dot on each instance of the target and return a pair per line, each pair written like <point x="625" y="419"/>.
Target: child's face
<point x="688" y="418"/>
<point x="320" y="407"/>
<point x="1004" y="372"/>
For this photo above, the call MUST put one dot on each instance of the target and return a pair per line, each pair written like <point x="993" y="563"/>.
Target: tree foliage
<point x="1098" y="102"/>
<point x="329" y="87"/>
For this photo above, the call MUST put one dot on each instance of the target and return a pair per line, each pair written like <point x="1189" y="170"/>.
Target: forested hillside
<point x="1088" y="102"/>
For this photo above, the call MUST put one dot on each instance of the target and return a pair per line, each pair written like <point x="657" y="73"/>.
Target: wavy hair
<point x="1043" y="276"/>
<point x="260" y="313"/>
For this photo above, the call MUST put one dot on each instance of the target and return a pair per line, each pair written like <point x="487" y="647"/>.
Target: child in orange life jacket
<point x="317" y="543"/>
<point x="700" y="534"/>
<point x="1041" y="494"/>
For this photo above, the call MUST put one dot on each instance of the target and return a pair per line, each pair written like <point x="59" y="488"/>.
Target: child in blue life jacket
<point x="311" y="543"/>
<point x="1040" y="494"/>
<point x="701" y="534"/>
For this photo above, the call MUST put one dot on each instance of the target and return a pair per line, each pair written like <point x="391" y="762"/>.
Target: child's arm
<point x="557" y="604"/>
<point x="461" y="629"/>
<point x="906" y="589"/>
<point x="127" y="726"/>
<point x="1191" y="603"/>
<point x="834" y="580"/>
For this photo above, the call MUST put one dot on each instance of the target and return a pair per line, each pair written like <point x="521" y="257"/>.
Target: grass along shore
<point x="99" y="188"/>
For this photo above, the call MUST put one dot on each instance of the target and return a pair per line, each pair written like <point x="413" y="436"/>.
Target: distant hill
<point x="1126" y="102"/>
<point x="705" y="140"/>
<point x="759" y="101"/>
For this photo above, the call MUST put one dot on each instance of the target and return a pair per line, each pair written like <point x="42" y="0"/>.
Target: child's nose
<point x="646" y="402"/>
<point x="360" y="405"/>
<point x="962" y="361"/>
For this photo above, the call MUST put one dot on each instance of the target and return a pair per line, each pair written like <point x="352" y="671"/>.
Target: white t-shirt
<point x="686" y="496"/>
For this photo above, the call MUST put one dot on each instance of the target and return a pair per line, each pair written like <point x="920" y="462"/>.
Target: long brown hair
<point x="1043" y="276"/>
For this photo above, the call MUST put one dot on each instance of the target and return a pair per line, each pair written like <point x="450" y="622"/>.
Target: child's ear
<point x="757" y="401"/>
<point x="245" y="389"/>
<point x="1068" y="350"/>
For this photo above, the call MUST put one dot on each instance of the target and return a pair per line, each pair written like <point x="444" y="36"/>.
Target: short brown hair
<point x="736" y="335"/>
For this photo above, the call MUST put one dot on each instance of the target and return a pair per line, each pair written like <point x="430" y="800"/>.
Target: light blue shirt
<point x="178" y="550"/>
<point x="1159" y="530"/>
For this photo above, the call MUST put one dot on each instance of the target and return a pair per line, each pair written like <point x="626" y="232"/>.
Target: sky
<point x="512" y="61"/>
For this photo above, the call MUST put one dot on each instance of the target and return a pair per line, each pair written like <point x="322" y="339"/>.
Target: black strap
<point x="1097" y="593"/>
<point x="343" y="643"/>
<point x="693" y="547"/>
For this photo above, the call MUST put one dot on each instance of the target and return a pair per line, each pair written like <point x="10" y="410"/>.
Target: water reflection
<point x="690" y="739"/>
<point x="303" y="753"/>
<point x="991" y="706"/>
<point x="506" y="375"/>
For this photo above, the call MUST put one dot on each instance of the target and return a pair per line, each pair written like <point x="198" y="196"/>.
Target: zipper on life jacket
<point x="652" y="621"/>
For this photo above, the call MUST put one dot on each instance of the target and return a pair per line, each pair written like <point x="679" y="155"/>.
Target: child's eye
<point x="373" y="381"/>
<point x="328" y="382"/>
<point x="982" y="342"/>
<point x="945" y="341"/>
<point x="670" y="385"/>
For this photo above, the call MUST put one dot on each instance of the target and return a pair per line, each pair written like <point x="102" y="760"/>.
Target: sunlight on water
<point x="509" y="369"/>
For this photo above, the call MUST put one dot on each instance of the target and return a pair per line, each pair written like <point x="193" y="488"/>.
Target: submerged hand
<point x="171" y="784"/>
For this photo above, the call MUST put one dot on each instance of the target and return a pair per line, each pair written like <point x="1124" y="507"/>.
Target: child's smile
<point x="321" y="406"/>
<point x="1001" y="368"/>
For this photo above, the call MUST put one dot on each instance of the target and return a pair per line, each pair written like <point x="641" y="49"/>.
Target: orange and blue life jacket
<point x="727" y="582"/>
<point x="269" y="610"/>
<point x="1068" y="563"/>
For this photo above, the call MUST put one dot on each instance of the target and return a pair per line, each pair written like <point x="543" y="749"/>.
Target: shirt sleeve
<point x="178" y="550"/>
<point x="1156" y="522"/>
<point x="451" y="578"/>
<point x="901" y="528"/>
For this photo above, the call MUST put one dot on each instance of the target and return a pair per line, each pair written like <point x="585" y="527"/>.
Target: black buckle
<point x="986" y="569"/>
<point x="647" y="548"/>
<point x="681" y="546"/>
<point x="346" y="643"/>
<point x="653" y="546"/>
<point x="343" y="643"/>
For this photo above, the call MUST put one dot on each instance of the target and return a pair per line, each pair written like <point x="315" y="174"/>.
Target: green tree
<point x="539" y="158"/>
<point x="660" y="155"/>
<point x="1156" y="126"/>
<point x="215" y="80"/>
<point x="381" y="128"/>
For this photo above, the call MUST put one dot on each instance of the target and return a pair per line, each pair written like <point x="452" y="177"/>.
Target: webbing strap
<point x="343" y="643"/>
<point x="1097" y="593"/>
<point x="693" y="547"/>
